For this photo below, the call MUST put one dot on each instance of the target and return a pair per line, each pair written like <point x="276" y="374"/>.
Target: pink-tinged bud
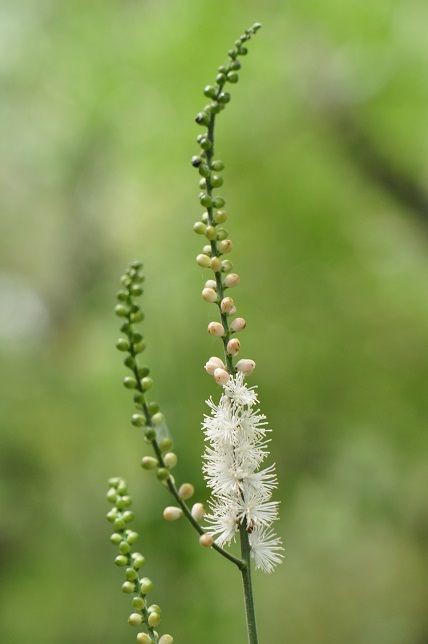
<point x="213" y="364"/>
<point x="227" y="305"/>
<point x="171" y="513"/>
<point x="198" y="511"/>
<point x="232" y="280"/>
<point x="238" y="324"/>
<point x="215" y="264"/>
<point x="211" y="284"/>
<point x="245" y="366"/>
<point x="225" y="246"/>
<point x="221" y="376"/>
<point x="206" y="540"/>
<point x="209" y="295"/>
<point x="215" y="328"/>
<point x="233" y="346"/>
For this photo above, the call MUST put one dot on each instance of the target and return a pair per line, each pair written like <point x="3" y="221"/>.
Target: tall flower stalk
<point x="235" y="431"/>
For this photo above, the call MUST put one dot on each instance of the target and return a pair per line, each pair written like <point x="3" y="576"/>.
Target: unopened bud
<point x="227" y="305"/>
<point x="186" y="491"/>
<point x="203" y="260"/>
<point x="135" y="619"/>
<point x="166" y="639"/>
<point x="146" y="585"/>
<point x="211" y="284"/>
<point x="171" y="513"/>
<point x="215" y="328"/>
<point x="225" y="246"/>
<point x="238" y="324"/>
<point x="143" y="638"/>
<point x="232" y="279"/>
<point x="233" y="346"/>
<point x="153" y="619"/>
<point x="215" y="264"/>
<point x="198" y="511"/>
<point x="209" y="295"/>
<point x="206" y="540"/>
<point x="148" y="462"/>
<point x="170" y="459"/>
<point x="221" y="376"/>
<point x="213" y="364"/>
<point x="245" y="366"/>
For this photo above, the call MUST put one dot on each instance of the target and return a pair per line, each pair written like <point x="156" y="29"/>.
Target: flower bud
<point x="198" y="511"/>
<point x="112" y="495"/>
<point x="199" y="227"/>
<point x="210" y="233"/>
<point x="227" y="305"/>
<point x="209" y="295"/>
<point x="128" y="587"/>
<point x="203" y="260"/>
<point x="245" y="366"/>
<point x="238" y="324"/>
<point x="215" y="328"/>
<point x="153" y="619"/>
<point x="226" y="266"/>
<point x="158" y="418"/>
<point x="225" y="246"/>
<point x="233" y="346"/>
<point x="146" y="585"/>
<point x="121" y="560"/>
<point x="220" y="216"/>
<point x="206" y="540"/>
<point x="143" y="638"/>
<point x="132" y="536"/>
<point x="138" y="603"/>
<point x="137" y="560"/>
<point x="221" y="376"/>
<point x="186" y="491"/>
<point x="165" y="444"/>
<point x="166" y="639"/>
<point x="116" y="538"/>
<point x="211" y="284"/>
<point x="138" y="420"/>
<point x="207" y="250"/>
<point x="213" y="364"/>
<point x="135" y="619"/>
<point x="170" y="459"/>
<point x="162" y="474"/>
<point x="232" y="280"/>
<point x="131" y="574"/>
<point x="171" y="513"/>
<point x="215" y="264"/>
<point x="149" y="462"/>
<point x="154" y="608"/>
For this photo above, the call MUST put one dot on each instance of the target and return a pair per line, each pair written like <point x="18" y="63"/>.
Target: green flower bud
<point x="220" y="217"/>
<point x="135" y="619"/>
<point x="128" y="516"/>
<point x="128" y="587"/>
<point x="226" y="266"/>
<point x="206" y="250"/>
<point x="121" y="560"/>
<point x="116" y="538"/>
<point x="146" y="383"/>
<point x="205" y="143"/>
<point x="220" y="79"/>
<point x="215" y="264"/>
<point x="121" y="310"/>
<point x="170" y="459"/>
<point x="113" y="481"/>
<point x="203" y="260"/>
<point x="224" y="97"/>
<point x="205" y="218"/>
<point x="129" y="362"/>
<point x="138" y="420"/>
<point x="146" y="586"/>
<point x="136" y="290"/>
<point x="143" y="638"/>
<point x="162" y="474"/>
<point x="216" y="181"/>
<point x="124" y="548"/>
<point x="143" y="372"/>
<point x="126" y="281"/>
<point x="202" y="118"/>
<point x="129" y="382"/>
<point x="138" y="603"/>
<point x="210" y="91"/>
<point x="210" y="232"/>
<point x="111" y="495"/>
<point x="154" y="608"/>
<point x="150" y="434"/>
<point x="158" y="418"/>
<point x="243" y="51"/>
<point x="122" y="295"/>
<point x="136" y="263"/>
<point x="218" y="202"/>
<point x="139" y="347"/>
<point x="205" y="200"/>
<point x="186" y="491"/>
<point x="131" y="574"/>
<point x="119" y="524"/>
<point x="153" y="407"/>
<point x="122" y="344"/>
<point x="166" y="639"/>
<point x="148" y="462"/>
<point x="235" y="65"/>
<point x="232" y="53"/>
<point x="138" y="316"/>
<point x="196" y="161"/>
<point x="153" y="619"/>
<point x="217" y="165"/>
<point x="137" y="560"/>
<point x="165" y="444"/>
<point x="204" y="170"/>
<point x="232" y="77"/>
<point x="199" y="227"/>
<point x="111" y="515"/>
<point x="132" y="536"/>
<point x="203" y="184"/>
<point x="126" y="328"/>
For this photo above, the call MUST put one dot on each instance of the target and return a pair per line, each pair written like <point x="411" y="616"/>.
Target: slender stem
<point x="247" y="583"/>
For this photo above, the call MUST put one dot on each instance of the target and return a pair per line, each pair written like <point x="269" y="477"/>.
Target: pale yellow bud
<point x="135" y="619"/>
<point x="215" y="328"/>
<point x="153" y="619"/>
<point x="203" y="260"/>
<point x="245" y="366"/>
<point x="211" y="284"/>
<point x="225" y="246"/>
<point x="206" y="540"/>
<point x="186" y="491"/>
<point x="209" y="295"/>
<point x="232" y="280"/>
<point x="170" y="459"/>
<point x="227" y="305"/>
<point x="166" y="639"/>
<point x="233" y="346"/>
<point x="143" y="638"/>
<point x="238" y="324"/>
<point x="198" y="511"/>
<point x="171" y="513"/>
<point x="213" y="364"/>
<point x="221" y="376"/>
<point x="215" y="264"/>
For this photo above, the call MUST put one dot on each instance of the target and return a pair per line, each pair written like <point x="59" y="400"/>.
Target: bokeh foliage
<point x="96" y="129"/>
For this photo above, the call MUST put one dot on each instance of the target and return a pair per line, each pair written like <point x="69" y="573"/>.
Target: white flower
<point x="235" y="432"/>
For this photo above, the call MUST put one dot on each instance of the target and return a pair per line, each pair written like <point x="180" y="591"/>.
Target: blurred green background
<point x="325" y="148"/>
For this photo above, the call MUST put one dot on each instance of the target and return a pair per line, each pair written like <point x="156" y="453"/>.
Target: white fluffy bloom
<point x="236" y="432"/>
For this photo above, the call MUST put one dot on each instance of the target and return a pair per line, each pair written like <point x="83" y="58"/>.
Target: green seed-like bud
<point x="232" y="77"/>
<point x="199" y="227"/>
<point x="196" y="161"/>
<point x="121" y="560"/>
<point x="166" y="639"/>
<point x="154" y="608"/>
<point x="135" y="619"/>
<point x="170" y="459"/>
<point x="233" y="54"/>
<point x="205" y="200"/>
<point x="112" y="495"/>
<point x="153" y="619"/>
<point x="146" y="383"/>
<point x="128" y="516"/>
<point x="137" y="560"/>
<point x="220" y="79"/>
<point x="165" y="444"/>
<point x="143" y="371"/>
<point x="122" y="344"/>
<point x="138" y="420"/>
<point x="203" y="184"/>
<point x="205" y="143"/>
<point x="202" y="118"/>
<point x="218" y="202"/>
<point x="126" y="281"/>
<point x="128" y="587"/>
<point x="210" y="232"/>
<point x="139" y="347"/>
<point x="220" y="216"/>
<point x="226" y="266"/>
<point x="138" y="603"/>
<point x="131" y="574"/>
<point x="131" y="536"/>
<point x="235" y="65"/>
<point x="158" y="418"/>
<point x="204" y="170"/>
<point x="162" y="474"/>
<point x="224" y="97"/>
<point x="119" y="524"/>
<point x="129" y="362"/>
<point x="146" y="585"/>
<point x="116" y="538"/>
<point x="150" y="434"/>
<point x="216" y="181"/>
<point x="122" y="295"/>
<point x="205" y="218"/>
<point x="136" y="290"/>
<point x="143" y="638"/>
<point x="153" y="407"/>
<point x="203" y="260"/>
<point x="217" y="165"/>
<point x="114" y="481"/>
<point x="123" y="502"/>
<point x="129" y="382"/>
<point x="148" y="463"/>
<point x="121" y="310"/>
<point x="207" y="250"/>
<point x="222" y="234"/>
<point x="243" y="51"/>
<point x="210" y="91"/>
<point x="111" y="515"/>
<point x="122" y="488"/>
<point x="138" y="316"/>
<point x="124" y="548"/>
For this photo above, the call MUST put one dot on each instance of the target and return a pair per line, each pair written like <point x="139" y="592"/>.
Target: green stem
<point x="248" y="588"/>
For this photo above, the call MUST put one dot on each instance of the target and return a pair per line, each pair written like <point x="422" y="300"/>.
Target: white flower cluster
<point x="236" y="435"/>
